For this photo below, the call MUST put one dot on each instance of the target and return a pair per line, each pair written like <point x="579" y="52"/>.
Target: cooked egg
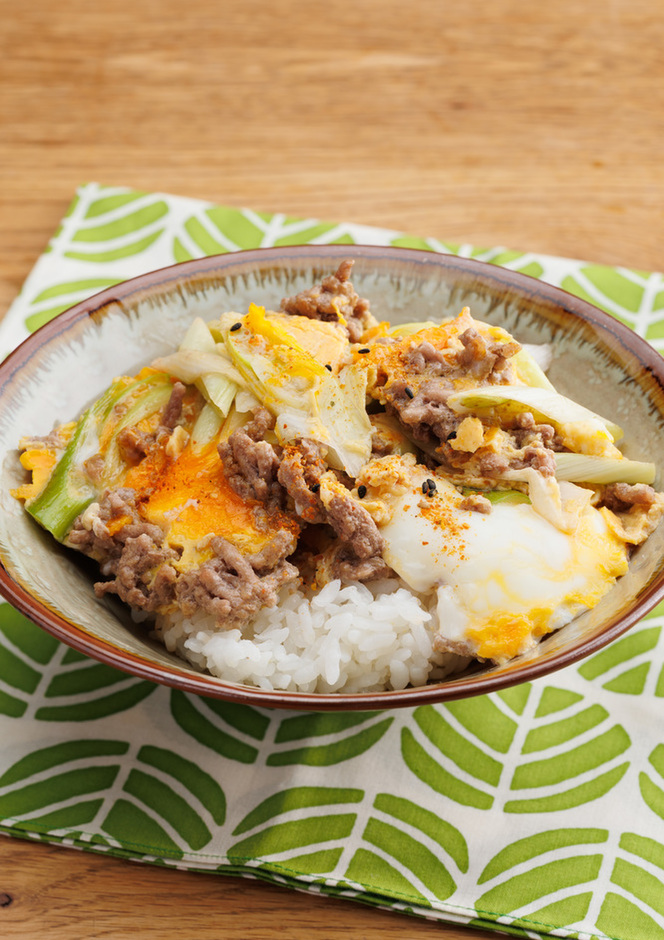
<point x="504" y="578"/>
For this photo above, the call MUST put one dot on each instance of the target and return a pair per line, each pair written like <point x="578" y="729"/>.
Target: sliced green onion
<point x="152" y="400"/>
<point x="201" y="361"/>
<point x="583" y="468"/>
<point x="306" y="399"/>
<point x="189" y="365"/>
<point x="530" y="371"/>
<point x="498" y="496"/>
<point x="69" y="490"/>
<point x="206" y="427"/>
<point x="581" y="428"/>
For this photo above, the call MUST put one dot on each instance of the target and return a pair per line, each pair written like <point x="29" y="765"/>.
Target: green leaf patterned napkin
<point x="535" y="811"/>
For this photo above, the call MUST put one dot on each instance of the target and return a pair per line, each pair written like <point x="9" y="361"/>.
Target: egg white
<point x="504" y="578"/>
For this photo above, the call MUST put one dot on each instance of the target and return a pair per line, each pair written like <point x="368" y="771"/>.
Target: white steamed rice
<point x="352" y="638"/>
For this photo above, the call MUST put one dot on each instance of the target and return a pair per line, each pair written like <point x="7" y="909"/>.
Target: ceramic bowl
<point x="53" y="375"/>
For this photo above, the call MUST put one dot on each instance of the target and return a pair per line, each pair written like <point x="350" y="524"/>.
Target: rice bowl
<point x="295" y="607"/>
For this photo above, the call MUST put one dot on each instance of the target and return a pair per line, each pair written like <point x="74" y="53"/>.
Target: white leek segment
<point x="581" y="430"/>
<point x="582" y="468"/>
<point x="200" y="361"/>
<point x="528" y="369"/>
<point x="307" y="399"/>
<point x="206" y="427"/>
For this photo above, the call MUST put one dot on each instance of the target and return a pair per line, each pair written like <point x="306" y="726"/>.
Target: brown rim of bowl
<point x="469" y="272"/>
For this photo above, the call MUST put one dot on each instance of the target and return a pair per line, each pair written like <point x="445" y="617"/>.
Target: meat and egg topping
<point x="316" y="443"/>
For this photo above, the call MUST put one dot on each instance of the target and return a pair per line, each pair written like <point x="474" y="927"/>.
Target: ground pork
<point x="621" y="497"/>
<point x="354" y="526"/>
<point x="133" y="444"/>
<point x="342" y="563"/>
<point x="475" y="502"/>
<point x="335" y="300"/>
<point x="233" y="587"/>
<point x="301" y="468"/>
<point x="173" y="408"/>
<point x="143" y="576"/>
<point x="251" y="464"/>
<point x="425" y="414"/>
<point x="486" y="361"/>
<point x="133" y="557"/>
<point x="525" y="430"/>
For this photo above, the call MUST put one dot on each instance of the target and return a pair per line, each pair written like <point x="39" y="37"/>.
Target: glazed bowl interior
<point x="67" y="364"/>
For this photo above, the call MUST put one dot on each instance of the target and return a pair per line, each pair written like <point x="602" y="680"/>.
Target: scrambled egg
<point x="504" y="578"/>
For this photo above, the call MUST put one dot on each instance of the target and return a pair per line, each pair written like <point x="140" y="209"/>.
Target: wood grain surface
<point x="534" y="126"/>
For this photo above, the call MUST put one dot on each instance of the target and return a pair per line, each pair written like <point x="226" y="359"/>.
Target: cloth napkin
<point x="535" y="811"/>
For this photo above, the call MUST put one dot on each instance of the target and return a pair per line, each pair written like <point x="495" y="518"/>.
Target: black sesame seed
<point x="236" y="326"/>
<point x="432" y="486"/>
<point x="451" y="436"/>
<point x="361" y="491"/>
<point x="365" y="350"/>
<point x="425" y="487"/>
<point x="328" y="366"/>
<point x="409" y="392"/>
<point x="314" y="487"/>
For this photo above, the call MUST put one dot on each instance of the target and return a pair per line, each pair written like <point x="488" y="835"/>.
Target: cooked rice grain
<point x="351" y="638"/>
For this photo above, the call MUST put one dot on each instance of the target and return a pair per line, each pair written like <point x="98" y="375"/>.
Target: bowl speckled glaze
<point x="60" y="369"/>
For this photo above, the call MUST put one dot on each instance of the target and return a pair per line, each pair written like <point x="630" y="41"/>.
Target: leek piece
<point x="151" y="396"/>
<point x="69" y="490"/>
<point x="529" y="370"/>
<point x="307" y="400"/>
<point x="202" y="362"/>
<point x="207" y="426"/>
<point x="581" y="429"/>
<point x="583" y="468"/>
<point x="191" y="365"/>
<point x="234" y="420"/>
<point x="498" y="496"/>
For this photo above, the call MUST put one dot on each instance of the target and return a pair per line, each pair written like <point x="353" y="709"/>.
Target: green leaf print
<point x="165" y="802"/>
<point x="623" y="293"/>
<point x="294" y="799"/>
<point x="115" y="229"/>
<point x="634" y="922"/>
<point x="219" y="229"/>
<point x="625" y="665"/>
<point x="207" y="722"/>
<point x="405" y="842"/>
<point x="105" y="204"/>
<point x="637" y="877"/>
<point x="651" y="791"/>
<point x="284" y="824"/>
<point x="564" y="869"/>
<point x="465" y="762"/>
<point x="329" y="739"/>
<point x="58" y="683"/>
<point x="65" y="296"/>
<point x="528" y="876"/>
<point x="461" y="751"/>
<point x="622" y="286"/>
<point x="46" y="778"/>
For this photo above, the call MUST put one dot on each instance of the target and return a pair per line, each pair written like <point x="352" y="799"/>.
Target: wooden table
<point x="534" y="126"/>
